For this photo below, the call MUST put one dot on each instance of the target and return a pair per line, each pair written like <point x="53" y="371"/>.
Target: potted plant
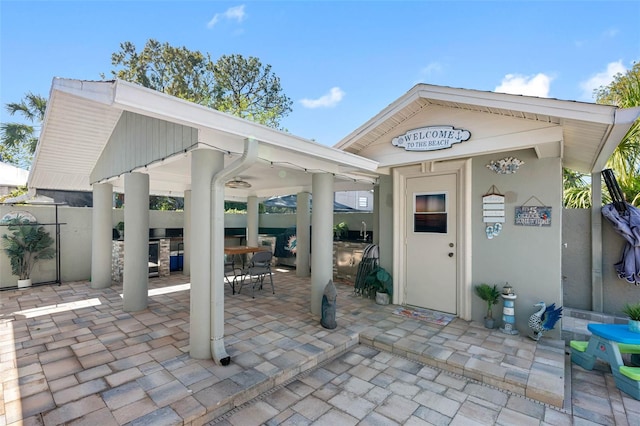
<point x="633" y="312"/>
<point x="491" y="295"/>
<point x="341" y="230"/>
<point x="379" y="284"/>
<point x="120" y="229"/>
<point x="26" y="245"/>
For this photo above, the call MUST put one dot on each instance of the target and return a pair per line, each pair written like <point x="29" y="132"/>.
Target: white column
<point x="252" y="221"/>
<point x="204" y="163"/>
<point x="135" y="279"/>
<point x="101" y="235"/>
<point x="322" y="237"/>
<point x="303" y="235"/>
<point x="375" y="226"/>
<point x="186" y="234"/>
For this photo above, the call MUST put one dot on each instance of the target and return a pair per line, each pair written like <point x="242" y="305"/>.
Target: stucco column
<point x="322" y="237"/>
<point x="186" y="234"/>
<point x="204" y="163"/>
<point x="597" y="295"/>
<point x="135" y="278"/>
<point x="101" y="233"/>
<point x="303" y="234"/>
<point x="384" y="228"/>
<point x="252" y="221"/>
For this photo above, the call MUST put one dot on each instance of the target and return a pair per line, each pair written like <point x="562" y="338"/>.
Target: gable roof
<point x="590" y="132"/>
<point x="108" y="128"/>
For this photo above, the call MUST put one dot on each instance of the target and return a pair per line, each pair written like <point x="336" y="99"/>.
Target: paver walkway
<point x="70" y="355"/>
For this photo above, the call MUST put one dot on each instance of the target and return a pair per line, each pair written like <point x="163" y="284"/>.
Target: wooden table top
<point x="243" y="249"/>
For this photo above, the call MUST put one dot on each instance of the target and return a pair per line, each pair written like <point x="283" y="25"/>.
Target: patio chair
<point x="231" y="273"/>
<point x="259" y="268"/>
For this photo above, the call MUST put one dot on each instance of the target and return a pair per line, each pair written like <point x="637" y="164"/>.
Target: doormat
<point x="435" y="317"/>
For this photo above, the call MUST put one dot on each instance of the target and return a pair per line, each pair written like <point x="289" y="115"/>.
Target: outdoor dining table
<point x="603" y="344"/>
<point x="240" y="250"/>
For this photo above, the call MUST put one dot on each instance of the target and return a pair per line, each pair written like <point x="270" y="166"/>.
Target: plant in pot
<point x="341" y="230"/>
<point x="491" y="295"/>
<point x="379" y="284"/>
<point x="25" y="245"/>
<point x="633" y="312"/>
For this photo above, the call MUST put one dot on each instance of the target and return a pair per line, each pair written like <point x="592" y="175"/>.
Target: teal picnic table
<point x="604" y="344"/>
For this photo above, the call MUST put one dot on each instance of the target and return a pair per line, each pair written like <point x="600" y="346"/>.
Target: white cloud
<point x="232" y="14"/>
<point x="329" y="100"/>
<point x="602" y="78"/>
<point x="432" y="68"/>
<point x="537" y="85"/>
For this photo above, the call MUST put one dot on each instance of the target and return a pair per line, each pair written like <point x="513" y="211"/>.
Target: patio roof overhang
<point x="587" y="133"/>
<point x="82" y="116"/>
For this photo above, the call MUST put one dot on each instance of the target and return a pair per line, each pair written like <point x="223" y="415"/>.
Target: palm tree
<point x="21" y="139"/>
<point x="624" y="92"/>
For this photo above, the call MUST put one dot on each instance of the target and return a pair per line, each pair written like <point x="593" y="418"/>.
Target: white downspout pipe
<point x="249" y="156"/>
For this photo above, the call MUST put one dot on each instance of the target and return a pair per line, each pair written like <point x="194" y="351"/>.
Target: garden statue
<point x="328" y="319"/>
<point x="544" y="320"/>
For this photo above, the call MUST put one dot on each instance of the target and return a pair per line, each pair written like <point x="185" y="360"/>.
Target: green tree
<point x="247" y="89"/>
<point x="624" y="92"/>
<point x="19" y="140"/>
<point x="234" y="84"/>
<point x="176" y="71"/>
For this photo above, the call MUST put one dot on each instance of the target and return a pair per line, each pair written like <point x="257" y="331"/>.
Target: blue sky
<point x="341" y="62"/>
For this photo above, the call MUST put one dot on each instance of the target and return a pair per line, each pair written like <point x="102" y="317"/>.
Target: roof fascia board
<point x="150" y="102"/>
<point x="594" y="113"/>
<point x="379" y="118"/>
<point x="624" y="119"/>
<point x="98" y="91"/>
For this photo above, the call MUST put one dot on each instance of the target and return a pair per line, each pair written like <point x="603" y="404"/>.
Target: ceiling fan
<point x="237" y="183"/>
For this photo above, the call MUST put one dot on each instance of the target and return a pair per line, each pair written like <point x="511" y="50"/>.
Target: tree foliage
<point x="176" y="71"/>
<point x="624" y="92"/>
<point x="234" y="84"/>
<point x="19" y="140"/>
<point x="247" y="89"/>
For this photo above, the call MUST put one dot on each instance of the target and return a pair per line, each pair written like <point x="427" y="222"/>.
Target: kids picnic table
<point x="608" y="342"/>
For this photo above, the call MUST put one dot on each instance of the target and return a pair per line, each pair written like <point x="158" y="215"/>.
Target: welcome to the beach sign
<point x="431" y="138"/>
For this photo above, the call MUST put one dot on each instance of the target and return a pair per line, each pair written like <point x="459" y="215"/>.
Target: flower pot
<point x="24" y="283"/>
<point x="382" y="298"/>
<point x="634" y="326"/>
<point x="489" y="322"/>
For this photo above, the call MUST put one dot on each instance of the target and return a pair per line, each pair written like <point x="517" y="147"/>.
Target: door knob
<point x="450" y="254"/>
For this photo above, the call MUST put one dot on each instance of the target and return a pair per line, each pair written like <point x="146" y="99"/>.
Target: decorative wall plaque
<point x="533" y="215"/>
<point x="431" y="138"/>
<point x="493" y="212"/>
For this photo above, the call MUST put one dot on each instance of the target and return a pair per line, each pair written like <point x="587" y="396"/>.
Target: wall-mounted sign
<point x="431" y="138"/>
<point x="533" y="216"/>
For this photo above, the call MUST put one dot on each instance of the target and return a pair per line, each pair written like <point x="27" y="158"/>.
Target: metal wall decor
<point x="529" y="215"/>
<point x="505" y="166"/>
<point x="493" y="212"/>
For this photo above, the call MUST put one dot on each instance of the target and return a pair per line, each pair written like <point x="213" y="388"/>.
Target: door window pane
<point x="430" y="213"/>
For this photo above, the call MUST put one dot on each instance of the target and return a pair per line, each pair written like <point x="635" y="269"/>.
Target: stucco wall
<point x="527" y="257"/>
<point x="576" y="258"/>
<point x="75" y="240"/>
<point x="75" y="236"/>
<point x="576" y="264"/>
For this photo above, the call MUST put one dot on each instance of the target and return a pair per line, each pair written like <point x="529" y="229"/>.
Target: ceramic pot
<point x="634" y="326"/>
<point x="24" y="283"/>
<point x="489" y="322"/>
<point x="382" y="298"/>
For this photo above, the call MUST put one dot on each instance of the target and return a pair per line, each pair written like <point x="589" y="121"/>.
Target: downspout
<point x="216" y="313"/>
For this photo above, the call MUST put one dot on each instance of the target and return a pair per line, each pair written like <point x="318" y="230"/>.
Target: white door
<point x="431" y="244"/>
